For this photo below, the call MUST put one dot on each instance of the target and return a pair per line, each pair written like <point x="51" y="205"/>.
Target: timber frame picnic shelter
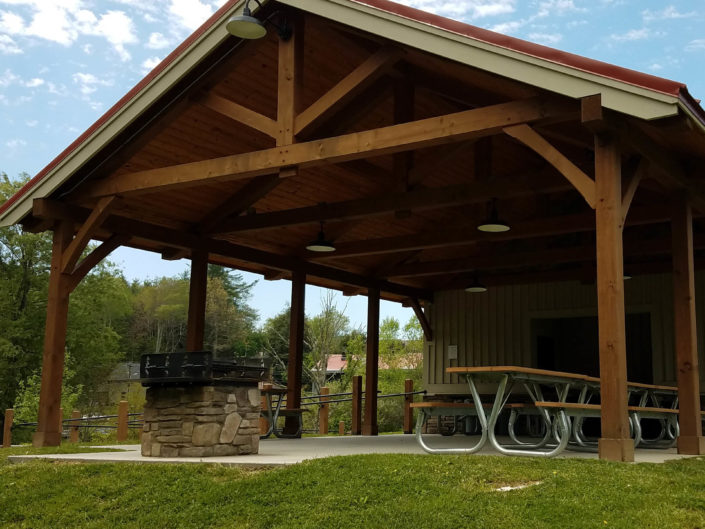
<point x="391" y="131"/>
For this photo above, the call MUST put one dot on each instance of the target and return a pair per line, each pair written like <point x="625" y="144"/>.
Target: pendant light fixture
<point x="476" y="287"/>
<point x="493" y="224"/>
<point x="246" y="26"/>
<point x="320" y="244"/>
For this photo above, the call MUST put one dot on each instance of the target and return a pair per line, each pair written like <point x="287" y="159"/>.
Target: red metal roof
<point x="625" y="75"/>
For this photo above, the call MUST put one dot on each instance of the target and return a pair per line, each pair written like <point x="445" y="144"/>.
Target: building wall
<point x="494" y="328"/>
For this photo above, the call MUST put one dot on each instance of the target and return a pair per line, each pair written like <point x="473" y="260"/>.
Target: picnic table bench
<point x="274" y="410"/>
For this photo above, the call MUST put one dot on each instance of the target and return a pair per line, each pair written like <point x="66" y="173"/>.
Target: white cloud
<point x="695" y="45"/>
<point x="15" y="144"/>
<point x="8" y="46"/>
<point x="546" y="38"/>
<point x="669" y="12"/>
<point x="190" y="13"/>
<point x="89" y="83"/>
<point x="635" y="34"/>
<point x="8" y="77"/>
<point x="149" y="64"/>
<point x="34" y="83"/>
<point x="32" y="123"/>
<point x="655" y="67"/>
<point x="508" y="27"/>
<point x="558" y="7"/>
<point x="157" y="41"/>
<point x="64" y="22"/>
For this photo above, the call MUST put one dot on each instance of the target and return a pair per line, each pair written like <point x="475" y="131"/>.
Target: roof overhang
<point x="537" y="65"/>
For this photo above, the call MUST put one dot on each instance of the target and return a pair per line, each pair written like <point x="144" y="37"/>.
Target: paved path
<point x="275" y="452"/>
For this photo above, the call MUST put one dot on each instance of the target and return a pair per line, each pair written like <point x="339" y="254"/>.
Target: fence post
<point x="61" y="423"/>
<point x="264" y="421"/>
<point x="74" y="426"/>
<point x="323" y="412"/>
<point x="408" y="412"/>
<point x="122" y="421"/>
<point x="356" y="428"/>
<point x="341" y="428"/>
<point x="7" y="430"/>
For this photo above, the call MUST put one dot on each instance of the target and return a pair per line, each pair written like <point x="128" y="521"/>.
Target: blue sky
<point x="64" y="63"/>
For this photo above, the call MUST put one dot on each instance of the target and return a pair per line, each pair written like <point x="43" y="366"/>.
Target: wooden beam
<point x="416" y="200"/>
<point x="345" y="90"/>
<point x="289" y="80"/>
<point x="86" y="231"/>
<point x="49" y="413"/>
<point x="468" y="235"/>
<point x="198" y="286"/>
<point x="423" y="320"/>
<point x="296" y="349"/>
<point x="238" y="203"/>
<point x="615" y="442"/>
<point x="241" y="114"/>
<point x="369" y="426"/>
<point x="403" y="113"/>
<point x="428" y="132"/>
<point x="491" y="259"/>
<point x="532" y="139"/>
<point x="45" y="208"/>
<point x="95" y="257"/>
<point x="629" y="190"/>
<point x="690" y="440"/>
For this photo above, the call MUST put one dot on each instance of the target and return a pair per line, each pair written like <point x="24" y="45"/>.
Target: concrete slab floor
<point x="275" y="452"/>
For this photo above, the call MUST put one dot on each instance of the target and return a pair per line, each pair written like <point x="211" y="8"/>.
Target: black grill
<point x="200" y="368"/>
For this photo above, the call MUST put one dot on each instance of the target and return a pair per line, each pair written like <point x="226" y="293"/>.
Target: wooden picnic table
<point x="274" y="410"/>
<point x="562" y="410"/>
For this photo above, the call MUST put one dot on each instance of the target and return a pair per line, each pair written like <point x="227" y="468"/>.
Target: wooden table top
<point x="546" y="373"/>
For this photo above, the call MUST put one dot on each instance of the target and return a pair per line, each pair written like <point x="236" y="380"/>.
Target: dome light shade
<point x="320" y="244"/>
<point x="246" y="26"/>
<point x="476" y="287"/>
<point x="493" y="224"/>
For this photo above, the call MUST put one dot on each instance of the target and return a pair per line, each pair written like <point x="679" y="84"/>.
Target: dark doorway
<point x="571" y="345"/>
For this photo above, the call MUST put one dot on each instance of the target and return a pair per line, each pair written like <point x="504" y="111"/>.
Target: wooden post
<point x="341" y="428"/>
<point x="197" y="301"/>
<point x="691" y="440"/>
<point x="7" y="428"/>
<point x="323" y="412"/>
<point x="122" y="420"/>
<point x="76" y="415"/>
<point x="296" y="349"/>
<point x="369" y="427"/>
<point x="47" y="433"/>
<point x="289" y="81"/>
<point x="263" y="421"/>
<point x="615" y="443"/>
<point x="356" y="427"/>
<point x="408" y="412"/>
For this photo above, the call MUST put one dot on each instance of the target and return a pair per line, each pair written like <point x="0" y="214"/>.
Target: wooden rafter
<point x="46" y="208"/>
<point x="465" y="235"/>
<point x="632" y="183"/>
<point x="385" y="140"/>
<point x="250" y="193"/>
<point x="532" y="139"/>
<point x="289" y="80"/>
<point x="349" y="87"/>
<point x="87" y="230"/>
<point x="423" y="320"/>
<point x="421" y="199"/>
<point x="495" y="260"/>
<point x="96" y="256"/>
<point x="241" y="114"/>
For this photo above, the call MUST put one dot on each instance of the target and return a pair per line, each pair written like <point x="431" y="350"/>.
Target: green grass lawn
<point x="374" y="491"/>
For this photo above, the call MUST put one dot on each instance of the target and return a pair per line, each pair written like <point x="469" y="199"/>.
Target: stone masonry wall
<point x="201" y="421"/>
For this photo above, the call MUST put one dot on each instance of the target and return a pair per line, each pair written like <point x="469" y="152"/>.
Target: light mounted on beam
<point x="246" y="26"/>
